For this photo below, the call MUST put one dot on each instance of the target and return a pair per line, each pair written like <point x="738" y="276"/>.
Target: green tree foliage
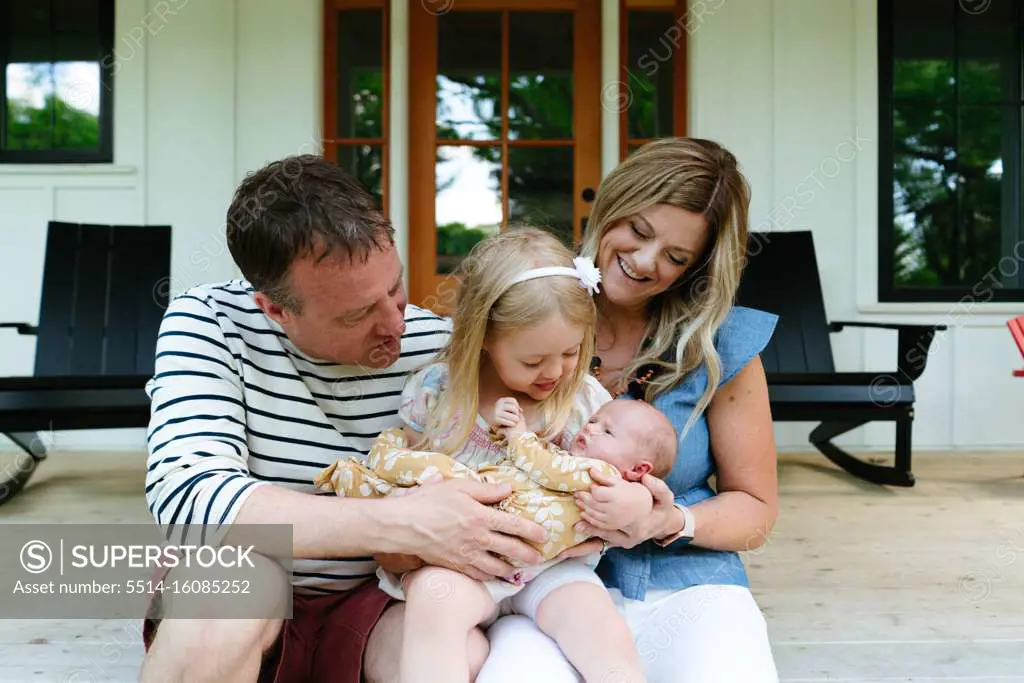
<point x="948" y="194"/>
<point x="54" y="125"/>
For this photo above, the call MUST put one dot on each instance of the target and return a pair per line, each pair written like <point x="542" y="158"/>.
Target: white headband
<point x="588" y="274"/>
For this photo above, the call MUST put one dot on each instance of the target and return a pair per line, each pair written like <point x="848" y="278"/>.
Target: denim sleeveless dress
<point x="743" y="334"/>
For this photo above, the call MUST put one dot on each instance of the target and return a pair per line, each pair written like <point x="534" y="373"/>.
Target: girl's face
<point x="534" y="360"/>
<point x="643" y="255"/>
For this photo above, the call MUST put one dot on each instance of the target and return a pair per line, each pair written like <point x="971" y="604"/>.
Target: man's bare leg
<point x="201" y="650"/>
<point x="211" y="649"/>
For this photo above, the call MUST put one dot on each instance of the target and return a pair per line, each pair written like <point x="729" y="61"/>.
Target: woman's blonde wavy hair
<point x="702" y="177"/>
<point x="488" y="304"/>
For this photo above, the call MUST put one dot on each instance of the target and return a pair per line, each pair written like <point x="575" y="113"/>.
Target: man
<point x="262" y="382"/>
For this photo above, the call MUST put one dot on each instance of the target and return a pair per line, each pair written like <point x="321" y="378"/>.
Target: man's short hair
<point x="292" y="206"/>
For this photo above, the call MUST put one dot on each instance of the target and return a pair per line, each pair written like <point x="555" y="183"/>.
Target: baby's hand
<point x="508" y="416"/>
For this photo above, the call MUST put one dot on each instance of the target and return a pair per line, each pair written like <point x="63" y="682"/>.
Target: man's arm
<point x="197" y="469"/>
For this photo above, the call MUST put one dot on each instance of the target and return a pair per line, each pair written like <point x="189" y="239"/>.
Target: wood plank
<point x="888" y="661"/>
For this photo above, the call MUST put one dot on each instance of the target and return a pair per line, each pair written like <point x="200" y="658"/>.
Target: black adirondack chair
<point x="781" y="277"/>
<point x="105" y="289"/>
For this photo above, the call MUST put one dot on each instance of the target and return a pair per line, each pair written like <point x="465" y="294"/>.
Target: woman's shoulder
<point x="743" y="334"/>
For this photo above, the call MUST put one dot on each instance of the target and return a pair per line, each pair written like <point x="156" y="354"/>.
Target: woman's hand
<point x="625" y="513"/>
<point x="613" y="502"/>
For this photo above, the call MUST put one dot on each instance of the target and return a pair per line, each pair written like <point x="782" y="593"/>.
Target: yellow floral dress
<point x="543" y="477"/>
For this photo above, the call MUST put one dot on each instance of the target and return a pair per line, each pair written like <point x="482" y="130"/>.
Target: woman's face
<point x="641" y="256"/>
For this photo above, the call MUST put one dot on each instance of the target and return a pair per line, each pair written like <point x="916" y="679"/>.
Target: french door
<point x="504" y="127"/>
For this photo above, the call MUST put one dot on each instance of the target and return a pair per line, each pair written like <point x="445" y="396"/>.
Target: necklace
<point x="595" y="370"/>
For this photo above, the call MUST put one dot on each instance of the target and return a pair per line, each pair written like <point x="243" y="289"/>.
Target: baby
<point x="622" y="438"/>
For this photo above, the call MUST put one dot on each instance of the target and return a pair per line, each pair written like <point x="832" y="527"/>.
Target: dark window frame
<point x="104" y="154"/>
<point x="984" y="291"/>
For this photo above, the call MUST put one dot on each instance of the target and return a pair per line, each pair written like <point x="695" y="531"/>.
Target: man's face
<point x="352" y="312"/>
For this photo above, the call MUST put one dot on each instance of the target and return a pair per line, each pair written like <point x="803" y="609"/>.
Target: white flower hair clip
<point x="584" y="270"/>
<point x="589" y="274"/>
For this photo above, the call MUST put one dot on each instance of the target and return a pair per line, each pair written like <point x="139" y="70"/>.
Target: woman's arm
<point x="743" y="513"/>
<point x="745" y="509"/>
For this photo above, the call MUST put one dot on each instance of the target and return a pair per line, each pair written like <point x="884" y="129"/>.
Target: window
<point x="652" y="102"/>
<point x="57" y="95"/>
<point x="356" y="98"/>
<point x="950" y="150"/>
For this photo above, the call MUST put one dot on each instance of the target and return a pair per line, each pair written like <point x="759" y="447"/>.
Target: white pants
<point x="704" y="634"/>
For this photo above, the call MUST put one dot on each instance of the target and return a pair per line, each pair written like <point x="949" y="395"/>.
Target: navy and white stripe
<point x="235" y="406"/>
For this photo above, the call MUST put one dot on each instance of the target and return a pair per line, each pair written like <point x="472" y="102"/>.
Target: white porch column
<point x="398" y="127"/>
<point x="609" y="76"/>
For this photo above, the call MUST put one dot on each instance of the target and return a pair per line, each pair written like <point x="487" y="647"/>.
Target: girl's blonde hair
<point x="489" y="304"/>
<point x="701" y="177"/>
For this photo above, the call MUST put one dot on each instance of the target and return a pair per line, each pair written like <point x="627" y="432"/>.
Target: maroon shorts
<point x="323" y="641"/>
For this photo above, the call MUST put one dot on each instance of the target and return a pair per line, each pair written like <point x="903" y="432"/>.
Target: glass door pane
<point x="509" y="93"/>
<point x="468" y="206"/>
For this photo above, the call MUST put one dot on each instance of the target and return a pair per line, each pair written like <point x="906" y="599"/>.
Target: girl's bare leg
<point x="443" y="607"/>
<point x="596" y="640"/>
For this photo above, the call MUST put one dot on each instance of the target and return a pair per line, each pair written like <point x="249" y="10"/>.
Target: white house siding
<point x="790" y="86"/>
<point x="205" y="92"/>
<point x="214" y="90"/>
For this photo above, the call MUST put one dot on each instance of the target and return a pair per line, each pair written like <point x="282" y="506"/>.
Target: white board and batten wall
<point x="211" y="92"/>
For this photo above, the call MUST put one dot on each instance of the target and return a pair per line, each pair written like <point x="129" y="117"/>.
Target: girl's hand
<point x="508" y="416"/>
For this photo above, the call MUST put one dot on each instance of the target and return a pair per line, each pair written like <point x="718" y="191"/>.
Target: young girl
<point x="523" y="328"/>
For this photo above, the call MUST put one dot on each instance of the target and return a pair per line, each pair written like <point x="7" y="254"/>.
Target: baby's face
<point x="612" y="435"/>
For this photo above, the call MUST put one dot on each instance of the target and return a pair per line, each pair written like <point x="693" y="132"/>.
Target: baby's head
<point x="633" y="436"/>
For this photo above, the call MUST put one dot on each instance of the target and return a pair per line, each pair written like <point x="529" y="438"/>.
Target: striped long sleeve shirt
<point x="235" y="406"/>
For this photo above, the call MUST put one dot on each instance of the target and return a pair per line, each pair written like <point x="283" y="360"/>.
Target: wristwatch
<point x="684" y="534"/>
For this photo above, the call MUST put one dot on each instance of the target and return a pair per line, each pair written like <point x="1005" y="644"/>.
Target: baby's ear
<point x="637" y="472"/>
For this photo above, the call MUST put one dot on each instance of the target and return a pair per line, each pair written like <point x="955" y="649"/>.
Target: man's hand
<point x="508" y="417"/>
<point x="450" y="524"/>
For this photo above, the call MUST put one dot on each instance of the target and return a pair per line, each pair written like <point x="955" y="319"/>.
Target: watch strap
<point x="684" y="534"/>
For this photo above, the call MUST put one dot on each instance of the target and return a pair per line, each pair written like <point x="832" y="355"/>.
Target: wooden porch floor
<point x="858" y="583"/>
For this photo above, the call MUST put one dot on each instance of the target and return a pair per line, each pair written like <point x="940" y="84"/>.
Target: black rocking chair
<point x="781" y="277"/>
<point x="105" y="289"/>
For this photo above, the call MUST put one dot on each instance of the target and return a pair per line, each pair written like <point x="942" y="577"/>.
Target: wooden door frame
<point x="437" y="292"/>
<point x="680" y="66"/>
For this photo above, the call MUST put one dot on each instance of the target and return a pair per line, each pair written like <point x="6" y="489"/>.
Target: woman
<point x="668" y="231"/>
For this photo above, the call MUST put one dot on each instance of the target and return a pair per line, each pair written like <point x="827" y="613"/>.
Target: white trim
<point x="961" y="314"/>
<point x="67" y="169"/>
<point x="609" y="75"/>
<point x="866" y="180"/>
<point x="398" y="127"/>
